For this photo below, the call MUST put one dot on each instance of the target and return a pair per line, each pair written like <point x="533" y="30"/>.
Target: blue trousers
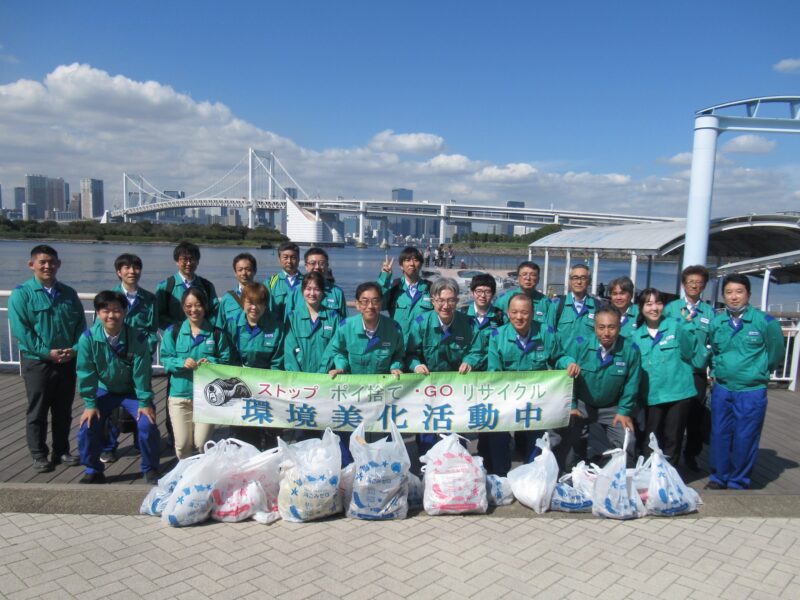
<point x="91" y="438"/>
<point x="736" y="422"/>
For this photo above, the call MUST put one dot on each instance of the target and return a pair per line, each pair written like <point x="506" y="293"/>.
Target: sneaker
<point x="151" y="477"/>
<point x="713" y="485"/>
<point x="42" y="465"/>
<point x="93" y="478"/>
<point x="108" y="457"/>
<point x="66" y="459"/>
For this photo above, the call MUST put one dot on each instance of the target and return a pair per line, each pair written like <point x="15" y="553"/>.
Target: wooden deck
<point x="777" y="470"/>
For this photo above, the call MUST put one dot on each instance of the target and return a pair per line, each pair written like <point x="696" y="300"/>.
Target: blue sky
<point x="581" y="87"/>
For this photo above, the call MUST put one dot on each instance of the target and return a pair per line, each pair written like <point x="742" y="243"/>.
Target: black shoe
<point x="42" y="465"/>
<point x="66" y="459"/>
<point x="93" y="478"/>
<point x="713" y="485"/>
<point x="108" y="457"/>
<point x="151" y="477"/>
<point x="691" y="463"/>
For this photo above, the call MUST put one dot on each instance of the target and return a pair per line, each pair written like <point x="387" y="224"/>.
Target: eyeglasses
<point x="695" y="282"/>
<point x="186" y="259"/>
<point x="579" y="278"/>
<point x="447" y="301"/>
<point x="370" y="302"/>
<point x="317" y="263"/>
<point x="482" y="292"/>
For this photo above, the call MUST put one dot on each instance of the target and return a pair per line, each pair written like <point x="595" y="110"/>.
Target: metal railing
<point x="9" y="352"/>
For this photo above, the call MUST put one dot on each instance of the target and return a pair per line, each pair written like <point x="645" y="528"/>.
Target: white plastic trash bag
<point x="498" y="490"/>
<point x="191" y="502"/>
<point x="310" y="471"/>
<point x="380" y="482"/>
<point x="249" y="488"/>
<point x="455" y="481"/>
<point x="158" y="496"/>
<point x="346" y="483"/>
<point x="583" y="477"/>
<point x="533" y="484"/>
<point x="614" y="495"/>
<point x="567" y="498"/>
<point x="667" y="494"/>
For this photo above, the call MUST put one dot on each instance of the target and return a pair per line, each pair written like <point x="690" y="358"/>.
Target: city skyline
<point x="580" y="107"/>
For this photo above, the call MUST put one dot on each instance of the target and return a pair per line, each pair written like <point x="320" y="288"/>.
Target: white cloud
<point x="83" y="122"/>
<point x="787" y="65"/>
<point x="749" y="144"/>
<point x="681" y="159"/>
<point x="413" y="143"/>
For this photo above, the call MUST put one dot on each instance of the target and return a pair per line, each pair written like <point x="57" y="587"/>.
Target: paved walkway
<point x="86" y="556"/>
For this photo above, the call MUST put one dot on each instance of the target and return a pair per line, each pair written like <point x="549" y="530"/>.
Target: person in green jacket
<point x="621" y="292"/>
<point x="185" y="347"/>
<point x="528" y="278"/>
<point x="230" y="305"/>
<point x="573" y="314"/>
<point x="746" y="345"/>
<point x="606" y="392"/>
<point x="668" y="348"/>
<point x="311" y="328"/>
<point x="408" y="296"/>
<point x="522" y="344"/>
<point x="365" y="344"/>
<point x="481" y="311"/>
<point x="692" y="310"/>
<point x="115" y="369"/>
<point x="286" y="282"/>
<point x="169" y="292"/>
<point x="47" y="319"/>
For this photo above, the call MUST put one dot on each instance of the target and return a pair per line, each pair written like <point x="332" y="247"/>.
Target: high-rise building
<point x="19" y="198"/>
<point x="92" y="204"/>
<point x="35" y="196"/>
<point x="56" y="201"/>
<point x="402" y="195"/>
<point x="75" y="203"/>
<point x="1" y="196"/>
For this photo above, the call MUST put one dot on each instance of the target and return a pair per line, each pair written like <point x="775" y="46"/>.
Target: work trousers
<point x="697" y="418"/>
<point x="668" y="421"/>
<point x="736" y="422"/>
<point x="91" y="438"/>
<point x="188" y="435"/>
<point x="50" y="388"/>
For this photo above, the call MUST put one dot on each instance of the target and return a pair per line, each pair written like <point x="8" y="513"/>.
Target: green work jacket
<point x="169" y="306"/>
<point x="427" y="343"/>
<point x="42" y="323"/>
<point x="572" y="324"/>
<point x="174" y="352"/>
<point x="744" y="356"/>
<point x="261" y="346"/>
<point x="125" y="370"/>
<point x="627" y="323"/>
<point x="307" y="340"/>
<point x="398" y="302"/>
<point x="541" y="352"/>
<point x="611" y="382"/>
<point x="142" y="315"/>
<point x="229" y="307"/>
<point x="352" y="351"/>
<point x="493" y="318"/>
<point x="699" y="319"/>
<point x="281" y="292"/>
<point x="667" y="362"/>
<point x="332" y="299"/>
<point x="541" y="304"/>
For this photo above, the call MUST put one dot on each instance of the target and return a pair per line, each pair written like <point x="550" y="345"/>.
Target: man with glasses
<point x="408" y="296"/>
<point x="528" y="279"/>
<point x="287" y="281"/>
<point x="573" y="315"/>
<point x="442" y="340"/>
<point x="169" y="292"/>
<point x="698" y="315"/>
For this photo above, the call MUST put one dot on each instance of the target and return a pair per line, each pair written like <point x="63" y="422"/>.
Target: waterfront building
<point x="35" y="197"/>
<point x="56" y="199"/>
<point x="92" y="202"/>
<point x="19" y="198"/>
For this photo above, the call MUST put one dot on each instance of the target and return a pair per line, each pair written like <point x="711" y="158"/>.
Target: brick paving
<point x="92" y="556"/>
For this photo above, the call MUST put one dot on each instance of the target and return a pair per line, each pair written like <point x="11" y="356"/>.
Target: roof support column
<point x="530" y="254"/>
<point x="595" y="261"/>
<point x="567" y="260"/>
<point x="634" y="267"/>
<point x="649" y="269"/>
<point x="706" y="132"/>
<point x="546" y="271"/>
<point x="765" y="290"/>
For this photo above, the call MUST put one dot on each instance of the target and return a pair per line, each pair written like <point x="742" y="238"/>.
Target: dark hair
<point x="624" y="283"/>
<point x="737" y="278"/>
<point x="315" y="250"/>
<point x="201" y="297"/>
<point x="607" y="308"/>
<point x="581" y="266"/>
<point x="245" y="256"/>
<point x="313" y="277"/>
<point x="527" y="264"/>
<point x="525" y="297"/>
<point x="106" y="297"/>
<point x="694" y="270"/>
<point x="368" y="285"/>
<point x="644" y="296"/>
<point x="484" y="279"/>
<point x="289" y="246"/>
<point x="410" y="253"/>
<point x="186" y="249"/>
<point x="257" y="293"/>
<point x="44" y="249"/>
<point x="127" y="260"/>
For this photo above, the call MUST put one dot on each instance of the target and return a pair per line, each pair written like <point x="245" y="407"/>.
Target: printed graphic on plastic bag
<point x="455" y="481"/>
<point x="309" y="487"/>
<point x="249" y="488"/>
<point x="667" y="494"/>
<point x="498" y="490"/>
<point x="380" y="481"/>
<point x="159" y="495"/>
<point x="533" y="484"/>
<point x="614" y="495"/>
